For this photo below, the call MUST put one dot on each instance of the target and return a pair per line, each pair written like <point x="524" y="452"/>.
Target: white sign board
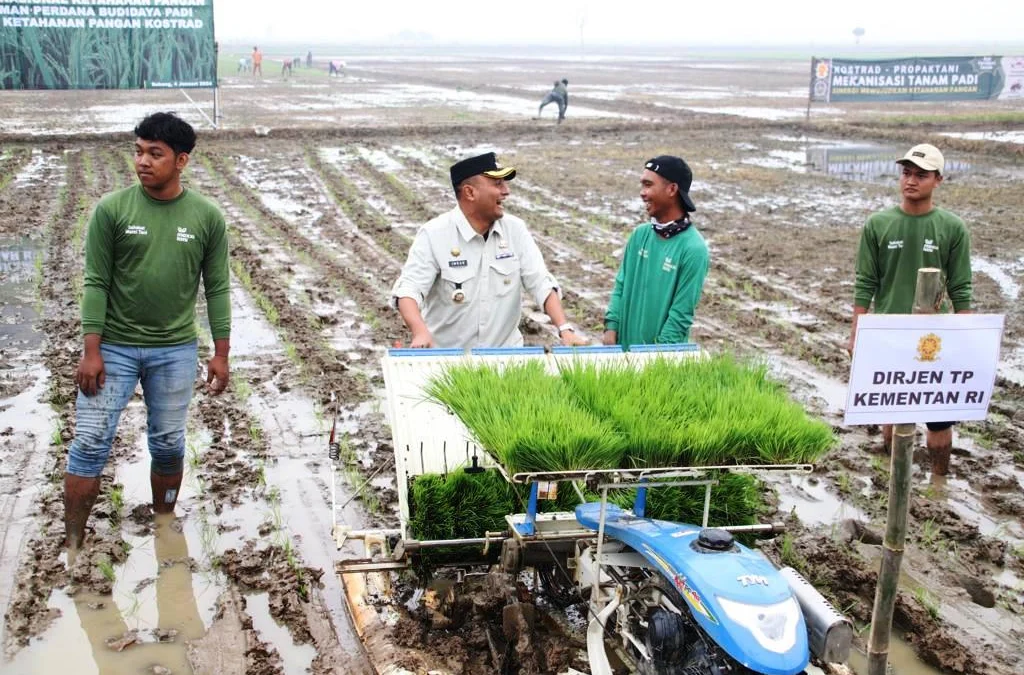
<point x="923" y="368"/>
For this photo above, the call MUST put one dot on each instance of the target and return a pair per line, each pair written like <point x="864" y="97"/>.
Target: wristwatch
<point x="564" y="327"/>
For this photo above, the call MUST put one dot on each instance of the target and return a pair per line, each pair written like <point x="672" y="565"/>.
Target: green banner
<point x="107" y="44"/>
<point x="917" y="79"/>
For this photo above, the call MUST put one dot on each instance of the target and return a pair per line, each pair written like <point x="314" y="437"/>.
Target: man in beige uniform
<point x="462" y="283"/>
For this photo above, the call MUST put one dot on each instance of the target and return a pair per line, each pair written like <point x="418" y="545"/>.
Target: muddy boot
<point x="79" y="495"/>
<point x="165" y="491"/>
<point x="940" y="459"/>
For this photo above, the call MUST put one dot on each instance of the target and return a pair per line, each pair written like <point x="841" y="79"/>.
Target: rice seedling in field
<point x="697" y="412"/>
<point x="460" y="505"/>
<point x="526" y="419"/>
<point x="700" y="412"/>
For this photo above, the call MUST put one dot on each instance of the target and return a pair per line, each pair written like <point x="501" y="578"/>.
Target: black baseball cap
<point x="486" y="164"/>
<point x="674" y="170"/>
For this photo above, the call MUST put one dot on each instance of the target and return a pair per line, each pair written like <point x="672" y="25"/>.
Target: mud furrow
<point x="350" y="200"/>
<point x="359" y="281"/>
<point x="27" y="614"/>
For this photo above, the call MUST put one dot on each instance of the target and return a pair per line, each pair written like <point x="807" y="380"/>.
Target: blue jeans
<point x="168" y="376"/>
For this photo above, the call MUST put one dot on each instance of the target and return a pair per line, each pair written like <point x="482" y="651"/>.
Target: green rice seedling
<point x="461" y="505"/>
<point x="243" y="390"/>
<point x="107" y="570"/>
<point x="928" y="601"/>
<point x="930" y="531"/>
<point x="843" y="483"/>
<point x="57" y="434"/>
<point x="700" y="411"/>
<point x="116" y="497"/>
<point x="734" y="501"/>
<point x="788" y="554"/>
<point x="526" y="419"/>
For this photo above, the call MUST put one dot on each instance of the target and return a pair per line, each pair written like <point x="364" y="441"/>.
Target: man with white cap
<point x="894" y="244"/>
<point x="462" y="283"/>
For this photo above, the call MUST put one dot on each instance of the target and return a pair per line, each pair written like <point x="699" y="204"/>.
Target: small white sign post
<point x="906" y="369"/>
<point x="910" y="368"/>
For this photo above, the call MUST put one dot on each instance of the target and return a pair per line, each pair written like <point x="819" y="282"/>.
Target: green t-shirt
<point x="658" y="287"/>
<point x="894" y="245"/>
<point x="143" y="262"/>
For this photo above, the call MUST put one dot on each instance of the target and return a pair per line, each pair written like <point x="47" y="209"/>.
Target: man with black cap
<point x="663" y="266"/>
<point x="894" y="244"/>
<point x="462" y="283"/>
<point x="559" y="94"/>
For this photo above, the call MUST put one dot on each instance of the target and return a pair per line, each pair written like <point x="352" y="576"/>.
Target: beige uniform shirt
<point x="470" y="290"/>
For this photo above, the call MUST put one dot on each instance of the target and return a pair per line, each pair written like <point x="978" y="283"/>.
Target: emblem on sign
<point x="928" y="347"/>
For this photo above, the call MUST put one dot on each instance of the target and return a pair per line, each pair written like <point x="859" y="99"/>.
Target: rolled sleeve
<point x="418" y="273"/>
<point x="537" y="280"/>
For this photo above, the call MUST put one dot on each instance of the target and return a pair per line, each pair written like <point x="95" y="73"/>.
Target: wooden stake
<point x="927" y="298"/>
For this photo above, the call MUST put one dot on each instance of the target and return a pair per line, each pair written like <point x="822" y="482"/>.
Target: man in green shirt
<point x="664" y="264"/>
<point x="894" y="244"/>
<point x="146" y="248"/>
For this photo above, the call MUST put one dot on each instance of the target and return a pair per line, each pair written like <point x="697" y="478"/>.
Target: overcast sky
<point x="637" y="22"/>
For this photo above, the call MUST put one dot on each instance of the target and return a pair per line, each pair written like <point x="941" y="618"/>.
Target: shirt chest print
<point x="136" y="229"/>
<point x="929" y="246"/>
<point x="667" y="266"/>
<point x="895" y="244"/>
<point x="184" y="236"/>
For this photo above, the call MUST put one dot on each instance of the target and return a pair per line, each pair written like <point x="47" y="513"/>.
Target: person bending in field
<point x="664" y="264"/>
<point x="462" y="283"/>
<point x="559" y="94"/>
<point x="897" y="242"/>
<point x="146" y="249"/>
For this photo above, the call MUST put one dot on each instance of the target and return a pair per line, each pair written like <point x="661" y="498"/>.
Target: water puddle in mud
<point x="1016" y="136"/>
<point x="252" y="338"/>
<point x="857" y="162"/>
<point x="809" y="498"/>
<point x="902" y="660"/>
<point x="296" y="659"/>
<point x="1002" y="273"/>
<point x="165" y="591"/>
<point x="21" y="260"/>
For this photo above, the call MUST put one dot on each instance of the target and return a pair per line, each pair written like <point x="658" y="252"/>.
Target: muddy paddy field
<point x="324" y="181"/>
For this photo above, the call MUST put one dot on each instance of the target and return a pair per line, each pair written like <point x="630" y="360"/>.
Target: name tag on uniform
<point x="504" y="254"/>
<point x="458" y="263"/>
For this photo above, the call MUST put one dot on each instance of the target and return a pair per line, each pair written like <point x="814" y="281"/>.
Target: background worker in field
<point x="257" y="62"/>
<point x="147" y="246"/>
<point x="664" y="264"/>
<point x="894" y="244"/>
<point x="462" y="282"/>
<point x="559" y="94"/>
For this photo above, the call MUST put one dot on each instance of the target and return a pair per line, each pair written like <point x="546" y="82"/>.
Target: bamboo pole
<point x="927" y="297"/>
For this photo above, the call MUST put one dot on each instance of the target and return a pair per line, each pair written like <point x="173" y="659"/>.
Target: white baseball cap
<point x="926" y="156"/>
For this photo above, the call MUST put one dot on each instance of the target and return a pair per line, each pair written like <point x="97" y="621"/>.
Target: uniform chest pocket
<point x="505" y="275"/>
<point x="458" y="285"/>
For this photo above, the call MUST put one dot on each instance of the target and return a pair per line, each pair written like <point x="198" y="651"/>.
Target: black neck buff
<point x="669" y="230"/>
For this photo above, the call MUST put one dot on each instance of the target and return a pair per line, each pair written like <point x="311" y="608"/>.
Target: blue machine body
<point x="703" y="578"/>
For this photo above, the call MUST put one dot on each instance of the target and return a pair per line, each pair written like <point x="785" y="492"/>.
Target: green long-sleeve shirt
<point x="143" y="262"/>
<point x="894" y="245"/>
<point x="658" y="287"/>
